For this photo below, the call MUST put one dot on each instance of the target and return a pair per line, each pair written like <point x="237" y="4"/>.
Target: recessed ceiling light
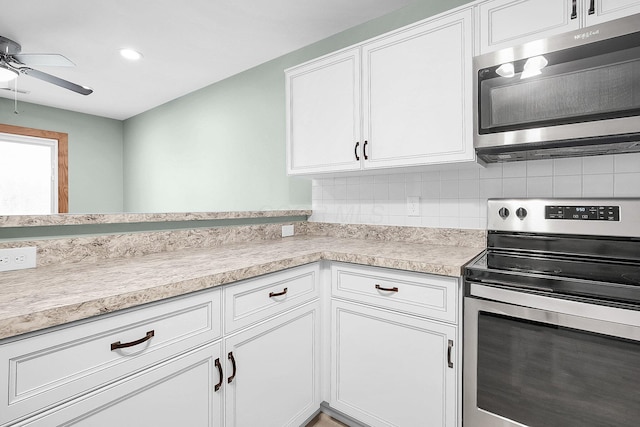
<point x="130" y="54"/>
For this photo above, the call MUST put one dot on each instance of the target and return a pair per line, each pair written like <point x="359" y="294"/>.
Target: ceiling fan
<point x="12" y="61"/>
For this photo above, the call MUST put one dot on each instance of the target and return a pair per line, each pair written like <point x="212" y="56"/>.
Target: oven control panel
<point x="583" y="213"/>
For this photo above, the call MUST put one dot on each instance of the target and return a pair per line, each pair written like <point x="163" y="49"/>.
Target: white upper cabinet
<point x="401" y="99"/>
<point x="323" y="114"/>
<point x="417" y="94"/>
<point x="605" y="10"/>
<point x="505" y="23"/>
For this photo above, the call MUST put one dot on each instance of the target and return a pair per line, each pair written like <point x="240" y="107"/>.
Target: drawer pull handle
<point x="233" y="364"/>
<point x="380" y="288"/>
<point x="364" y="150"/>
<point x="449" y="361"/>
<point x="221" y="375"/>
<point x="116" y="345"/>
<point x="277" y="294"/>
<point x="355" y="150"/>
<point x="574" y="9"/>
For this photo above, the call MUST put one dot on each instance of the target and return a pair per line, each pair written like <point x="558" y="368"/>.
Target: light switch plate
<point x="17" y="258"/>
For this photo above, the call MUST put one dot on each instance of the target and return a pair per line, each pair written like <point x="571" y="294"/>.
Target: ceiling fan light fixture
<point x="130" y="54"/>
<point x="7" y="74"/>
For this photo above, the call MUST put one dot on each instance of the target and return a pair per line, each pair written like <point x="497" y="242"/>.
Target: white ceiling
<point x="186" y="45"/>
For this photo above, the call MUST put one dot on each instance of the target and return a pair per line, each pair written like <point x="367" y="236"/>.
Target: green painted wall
<point x="223" y="147"/>
<point x="219" y="148"/>
<point x="95" y="153"/>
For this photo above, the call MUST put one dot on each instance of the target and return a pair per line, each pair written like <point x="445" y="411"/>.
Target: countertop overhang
<point x="48" y="296"/>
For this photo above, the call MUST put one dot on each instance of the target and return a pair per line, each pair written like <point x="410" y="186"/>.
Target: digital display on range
<point x="583" y="213"/>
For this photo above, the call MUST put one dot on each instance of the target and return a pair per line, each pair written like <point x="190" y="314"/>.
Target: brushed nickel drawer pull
<point x="277" y="294"/>
<point x="116" y="345"/>
<point x="233" y="364"/>
<point x="221" y="375"/>
<point x="380" y="288"/>
<point x="449" y="349"/>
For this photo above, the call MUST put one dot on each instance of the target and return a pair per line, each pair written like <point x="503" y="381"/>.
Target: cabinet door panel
<point x="277" y="378"/>
<point x="391" y="370"/>
<point x="417" y="92"/>
<point x="606" y="10"/>
<point x="180" y="392"/>
<point x="505" y="23"/>
<point x="323" y="114"/>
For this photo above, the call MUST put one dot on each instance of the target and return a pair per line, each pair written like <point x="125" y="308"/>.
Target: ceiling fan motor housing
<point x="9" y="47"/>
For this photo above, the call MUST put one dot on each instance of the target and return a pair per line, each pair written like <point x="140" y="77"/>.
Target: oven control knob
<point x="521" y="213"/>
<point x="504" y="213"/>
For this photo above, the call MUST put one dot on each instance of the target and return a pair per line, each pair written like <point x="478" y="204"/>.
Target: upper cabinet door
<point x="605" y="10"/>
<point x="323" y="114"/>
<point x="505" y="23"/>
<point x="417" y="94"/>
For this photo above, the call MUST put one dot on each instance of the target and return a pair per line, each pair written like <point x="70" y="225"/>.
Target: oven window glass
<point x="590" y="82"/>
<point x="542" y="375"/>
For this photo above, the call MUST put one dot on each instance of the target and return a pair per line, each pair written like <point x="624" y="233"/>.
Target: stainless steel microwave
<point x="574" y="94"/>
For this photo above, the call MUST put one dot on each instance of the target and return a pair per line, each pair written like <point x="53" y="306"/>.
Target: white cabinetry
<point x="323" y="114"/>
<point x="169" y="364"/>
<point x="505" y="23"/>
<point x="394" y="367"/>
<point x="416" y="101"/>
<point x="179" y="392"/>
<point x="276" y="371"/>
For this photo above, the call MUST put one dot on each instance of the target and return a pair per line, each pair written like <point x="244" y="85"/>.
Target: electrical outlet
<point x="413" y="206"/>
<point x="287" y="230"/>
<point x="17" y="258"/>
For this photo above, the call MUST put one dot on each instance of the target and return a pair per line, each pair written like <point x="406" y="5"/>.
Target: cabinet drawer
<point x="416" y="293"/>
<point x="255" y="300"/>
<point x="45" y="369"/>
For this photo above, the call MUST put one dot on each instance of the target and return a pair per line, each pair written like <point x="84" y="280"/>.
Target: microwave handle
<point x="574" y="8"/>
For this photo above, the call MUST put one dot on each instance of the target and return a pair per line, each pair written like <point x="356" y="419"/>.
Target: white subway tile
<point x="397" y="177"/>
<point x="431" y="221"/>
<point x="449" y="208"/>
<point x="449" y="189"/>
<point x="471" y="223"/>
<point x="431" y="176"/>
<point x="353" y="192"/>
<point x="431" y="190"/>
<point x="413" y="221"/>
<point x="492" y="170"/>
<point x="627" y="163"/>
<point x="597" y="165"/>
<point x="568" y="166"/>
<point x="414" y="177"/>
<point x="540" y="168"/>
<point x="449" y="174"/>
<point x="514" y="170"/>
<point x="449" y="222"/>
<point x="597" y="185"/>
<point x="381" y="191"/>
<point x="414" y="189"/>
<point x="381" y="179"/>
<point x="514" y="187"/>
<point x="567" y="186"/>
<point x="626" y="185"/>
<point x="469" y="173"/>
<point x="540" y="186"/>
<point x="490" y="188"/>
<point x="469" y="188"/>
<point x="430" y="208"/>
<point x="469" y="208"/>
<point x="397" y="191"/>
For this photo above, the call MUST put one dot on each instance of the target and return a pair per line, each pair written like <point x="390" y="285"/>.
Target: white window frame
<point x="53" y="146"/>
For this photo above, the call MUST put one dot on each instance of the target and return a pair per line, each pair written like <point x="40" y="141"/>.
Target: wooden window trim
<point x="63" y="158"/>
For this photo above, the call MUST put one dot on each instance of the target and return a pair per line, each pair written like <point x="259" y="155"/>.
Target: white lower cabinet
<point x="394" y="366"/>
<point x="178" y="392"/>
<point x="273" y="371"/>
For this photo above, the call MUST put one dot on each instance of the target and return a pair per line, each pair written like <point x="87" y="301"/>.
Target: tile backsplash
<point x="456" y="197"/>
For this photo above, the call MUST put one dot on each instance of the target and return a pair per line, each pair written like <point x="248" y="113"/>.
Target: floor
<point x="324" y="420"/>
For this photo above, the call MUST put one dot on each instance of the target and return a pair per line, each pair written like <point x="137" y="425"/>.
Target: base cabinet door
<point x="273" y="371"/>
<point x="390" y="369"/>
<point x="179" y="392"/>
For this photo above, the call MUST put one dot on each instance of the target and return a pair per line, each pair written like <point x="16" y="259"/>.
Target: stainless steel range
<point x="552" y="315"/>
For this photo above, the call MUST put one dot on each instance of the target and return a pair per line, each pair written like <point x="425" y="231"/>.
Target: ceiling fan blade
<point x="56" y="81"/>
<point x="43" y="60"/>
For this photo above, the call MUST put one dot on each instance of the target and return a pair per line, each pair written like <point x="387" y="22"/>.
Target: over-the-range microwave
<point x="574" y="94"/>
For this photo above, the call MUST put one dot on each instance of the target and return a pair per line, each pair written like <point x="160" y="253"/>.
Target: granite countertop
<point x="53" y="295"/>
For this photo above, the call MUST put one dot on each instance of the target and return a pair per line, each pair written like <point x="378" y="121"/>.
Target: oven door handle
<point x="551" y="304"/>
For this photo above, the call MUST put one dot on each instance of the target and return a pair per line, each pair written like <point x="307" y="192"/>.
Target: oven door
<point x="534" y="360"/>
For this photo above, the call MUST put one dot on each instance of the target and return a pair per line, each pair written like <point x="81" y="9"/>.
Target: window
<point x="33" y="171"/>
